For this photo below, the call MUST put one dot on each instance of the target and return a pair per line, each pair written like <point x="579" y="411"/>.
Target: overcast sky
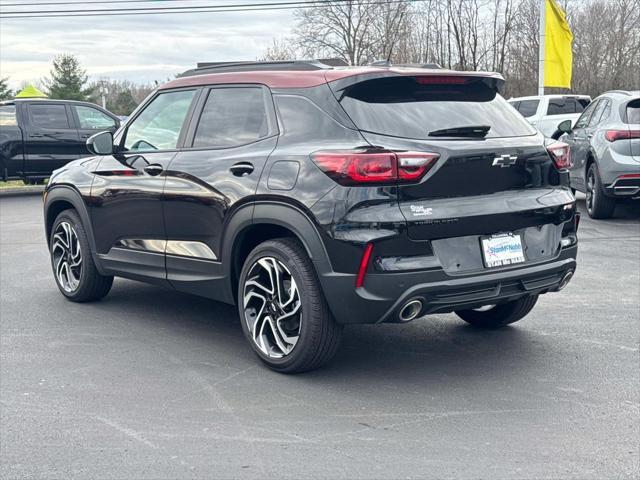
<point x="140" y="48"/>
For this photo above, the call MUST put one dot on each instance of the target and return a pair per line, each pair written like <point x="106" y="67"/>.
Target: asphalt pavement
<point x="151" y="383"/>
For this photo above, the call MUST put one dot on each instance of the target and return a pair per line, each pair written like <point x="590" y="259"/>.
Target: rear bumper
<point x="626" y="185"/>
<point x="384" y="294"/>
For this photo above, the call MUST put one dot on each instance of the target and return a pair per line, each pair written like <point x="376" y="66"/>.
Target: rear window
<point x="633" y="112"/>
<point x="562" y="106"/>
<point x="403" y="107"/>
<point x="8" y="116"/>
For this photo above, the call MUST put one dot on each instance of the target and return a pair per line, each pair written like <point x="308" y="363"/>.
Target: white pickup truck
<point x="545" y="112"/>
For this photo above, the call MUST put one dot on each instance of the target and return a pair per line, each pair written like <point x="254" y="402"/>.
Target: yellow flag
<point x="558" y="57"/>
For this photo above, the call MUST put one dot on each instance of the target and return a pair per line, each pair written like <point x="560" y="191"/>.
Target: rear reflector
<point x="364" y="263"/>
<point x="561" y="154"/>
<point x="613" y="135"/>
<point x="377" y="167"/>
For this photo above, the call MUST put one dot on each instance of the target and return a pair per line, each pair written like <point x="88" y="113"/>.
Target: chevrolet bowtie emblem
<point x="504" y="161"/>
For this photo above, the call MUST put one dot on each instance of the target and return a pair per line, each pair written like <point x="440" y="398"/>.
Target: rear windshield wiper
<point x="466" y="131"/>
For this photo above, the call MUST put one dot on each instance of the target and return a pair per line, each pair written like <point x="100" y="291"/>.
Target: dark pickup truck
<point x="38" y="136"/>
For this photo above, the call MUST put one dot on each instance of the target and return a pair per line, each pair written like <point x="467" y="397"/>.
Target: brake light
<point x="380" y="168"/>
<point x="561" y="154"/>
<point x="441" y="80"/>
<point x="613" y="135"/>
<point x="364" y="263"/>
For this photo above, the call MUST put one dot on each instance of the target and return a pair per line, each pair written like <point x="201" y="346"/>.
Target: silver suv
<point x="605" y="149"/>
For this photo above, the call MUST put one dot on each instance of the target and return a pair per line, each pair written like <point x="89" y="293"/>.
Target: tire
<point x="78" y="282"/>
<point x="599" y="205"/>
<point x="309" y="336"/>
<point x="499" y="315"/>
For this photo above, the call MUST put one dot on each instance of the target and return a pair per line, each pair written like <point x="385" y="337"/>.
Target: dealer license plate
<point x="501" y="250"/>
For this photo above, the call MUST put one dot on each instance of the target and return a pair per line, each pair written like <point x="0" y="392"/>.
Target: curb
<point x="21" y="191"/>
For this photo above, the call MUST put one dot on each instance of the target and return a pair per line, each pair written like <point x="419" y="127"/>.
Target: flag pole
<point x="541" y="42"/>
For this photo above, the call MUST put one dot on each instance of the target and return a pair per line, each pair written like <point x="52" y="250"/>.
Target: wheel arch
<point x="271" y="220"/>
<point x="61" y="198"/>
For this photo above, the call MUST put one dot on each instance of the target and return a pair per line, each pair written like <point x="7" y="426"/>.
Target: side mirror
<point x="565" y="127"/>
<point x="101" y="143"/>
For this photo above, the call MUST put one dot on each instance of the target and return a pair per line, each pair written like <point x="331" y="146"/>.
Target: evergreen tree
<point x="68" y="79"/>
<point x="5" y="91"/>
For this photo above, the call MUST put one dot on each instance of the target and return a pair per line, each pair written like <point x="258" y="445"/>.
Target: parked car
<point x="605" y="147"/>
<point x="314" y="197"/>
<point x="40" y="135"/>
<point x="545" y="112"/>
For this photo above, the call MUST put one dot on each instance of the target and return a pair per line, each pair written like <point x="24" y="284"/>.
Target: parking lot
<point x="150" y="383"/>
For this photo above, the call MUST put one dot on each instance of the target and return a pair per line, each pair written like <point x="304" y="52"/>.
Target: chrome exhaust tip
<point x="565" y="280"/>
<point x="410" y="310"/>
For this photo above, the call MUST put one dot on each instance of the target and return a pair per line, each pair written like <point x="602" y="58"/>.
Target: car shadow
<point x="431" y="350"/>
<point x="625" y="210"/>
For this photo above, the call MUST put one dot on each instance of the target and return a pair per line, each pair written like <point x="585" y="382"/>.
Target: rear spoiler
<point x="339" y="83"/>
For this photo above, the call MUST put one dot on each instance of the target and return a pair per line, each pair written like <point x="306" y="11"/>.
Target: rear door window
<point x="564" y="106"/>
<point x="232" y="117"/>
<point x="8" y="116"/>
<point x="597" y="112"/>
<point x="528" y="108"/>
<point x="583" y="121"/>
<point x="410" y="107"/>
<point x="49" y="116"/>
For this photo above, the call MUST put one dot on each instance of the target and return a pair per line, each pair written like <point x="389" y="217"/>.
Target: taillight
<point x="613" y="135"/>
<point x="381" y="168"/>
<point x="561" y="154"/>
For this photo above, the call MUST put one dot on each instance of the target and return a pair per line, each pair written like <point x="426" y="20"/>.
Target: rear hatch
<point x="493" y="176"/>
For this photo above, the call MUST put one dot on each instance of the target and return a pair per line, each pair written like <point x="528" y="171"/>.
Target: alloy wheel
<point x="272" y="307"/>
<point x="67" y="257"/>
<point x="590" y="190"/>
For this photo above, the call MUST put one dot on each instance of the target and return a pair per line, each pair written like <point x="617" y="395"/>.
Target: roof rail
<point x="241" y="66"/>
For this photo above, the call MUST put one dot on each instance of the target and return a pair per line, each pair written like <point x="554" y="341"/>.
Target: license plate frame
<point x="502" y="250"/>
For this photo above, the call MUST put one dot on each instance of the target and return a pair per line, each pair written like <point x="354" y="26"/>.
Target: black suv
<point x="316" y="196"/>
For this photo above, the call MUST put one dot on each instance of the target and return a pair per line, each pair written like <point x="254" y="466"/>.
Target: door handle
<point x="241" y="169"/>
<point x="154" y="169"/>
<point x="37" y="135"/>
<point x="85" y="135"/>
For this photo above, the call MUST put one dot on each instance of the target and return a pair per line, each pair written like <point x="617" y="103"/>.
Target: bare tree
<point x="498" y="35"/>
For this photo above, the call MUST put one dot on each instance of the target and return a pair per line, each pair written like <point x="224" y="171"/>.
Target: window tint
<point x="583" y="121"/>
<point x="8" y="116"/>
<point x="597" y="113"/>
<point x="232" y="117"/>
<point x="49" y="116"/>
<point x="563" y="106"/>
<point x="633" y="112"/>
<point x="158" y="126"/>
<point x="528" y="108"/>
<point x="405" y="107"/>
<point x="93" y="118"/>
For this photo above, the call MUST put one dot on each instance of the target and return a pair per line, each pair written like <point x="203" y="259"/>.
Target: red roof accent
<point x="307" y="78"/>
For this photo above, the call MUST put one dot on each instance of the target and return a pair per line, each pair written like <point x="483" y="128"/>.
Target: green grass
<point x="17" y="184"/>
<point x="12" y="184"/>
